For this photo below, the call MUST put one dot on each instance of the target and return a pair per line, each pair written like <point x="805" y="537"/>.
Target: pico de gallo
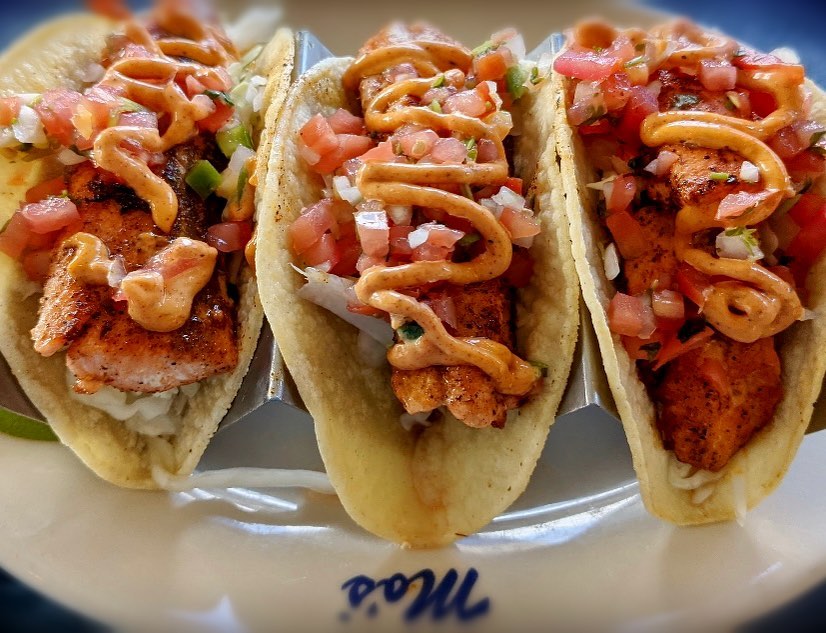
<point x="706" y="155"/>
<point x="421" y="223"/>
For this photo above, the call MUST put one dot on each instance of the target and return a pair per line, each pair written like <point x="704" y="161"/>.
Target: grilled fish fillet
<point x="716" y="397"/>
<point x="105" y="346"/>
<point x="482" y="310"/>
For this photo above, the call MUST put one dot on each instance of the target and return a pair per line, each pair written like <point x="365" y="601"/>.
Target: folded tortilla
<point x="426" y="487"/>
<point x="53" y="56"/>
<point x="757" y="468"/>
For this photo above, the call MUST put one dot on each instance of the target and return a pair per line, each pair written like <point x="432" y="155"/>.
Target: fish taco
<point x="414" y="262"/>
<point x="694" y="168"/>
<point x="128" y="164"/>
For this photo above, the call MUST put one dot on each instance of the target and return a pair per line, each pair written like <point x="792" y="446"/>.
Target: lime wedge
<point x="26" y="428"/>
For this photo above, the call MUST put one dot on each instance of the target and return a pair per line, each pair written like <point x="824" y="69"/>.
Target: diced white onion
<point x="490" y="205"/>
<point x="68" y="157"/>
<point x="28" y="128"/>
<point x="655" y="87"/>
<point x="749" y="172"/>
<point x="611" y="262"/>
<point x="346" y="191"/>
<point x="229" y="177"/>
<point x="330" y="292"/>
<point x="418" y="237"/>
<point x="516" y="45"/>
<point x="601" y="184"/>
<point x="509" y="199"/>
<point x="736" y="247"/>
<point x="117" y="271"/>
<point x="400" y="214"/>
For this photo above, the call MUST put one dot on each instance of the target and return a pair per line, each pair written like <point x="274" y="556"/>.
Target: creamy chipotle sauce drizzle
<point x="150" y="82"/>
<point x="411" y="184"/>
<point x="755" y="303"/>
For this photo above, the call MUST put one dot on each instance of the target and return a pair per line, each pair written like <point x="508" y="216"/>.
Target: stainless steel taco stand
<point x="269" y="381"/>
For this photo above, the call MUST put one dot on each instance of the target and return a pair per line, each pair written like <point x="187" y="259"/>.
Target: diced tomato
<point x="53" y="187"/>
<point x="603" y="126"/>
<point x="418" y="144"/>
<point x="9" y="109"/>
<point x="805" y="165"/>
<point x="383" y="152"/>
<point x="444" y="308"/>
<point x="622" y="193"/>
<point x="674" y="347"/>
<point x="50" y="214"/>
<point x="217" y="119"/>
<point x="492" y="65"/>
<point x="630" y="316"/>
<point x="616" y="91"/>
<point x="736" y="204"/>
<point x="318" y="135"/>
<point x="519" y="224"/>
<point x="645" y="348"/>
<point x="809" y="207"/>
<point x="430" y="253"/>
<point x="520" y="271"/>
<point x="366" y="261"/>
<point x="514" y="184"/>
<point x="693" y="284"/>
<point x="486" y="151"/>
<point x="450" y="151"/>
<point x="115" y="9"/>
<point x="786" y="143"/>
<point x="762" y="103"/>
<point x="324" y="251"/>
<point x="309" y="227"/>
<point x="399" y="245"/>
<point x="759" y="61"/>
<point x="668" y="304"/>
<point x="716" y="75"/>
<point x="586" y="65"/>
<point x="342" y="122"/>
<point x="349" y="251"/>
<point x="468" y="102"/>
<point x="373" y="232"/>
<point x="641" y="103"/>
<point x="349" y="146"/>
<point x="36" y="265"/>
<point x="15" y="236"/>
<point x="810" y="241"/>
<point x="628" y="234"/>
<point x="229" y="237"/>
<point x="56" y="109"/>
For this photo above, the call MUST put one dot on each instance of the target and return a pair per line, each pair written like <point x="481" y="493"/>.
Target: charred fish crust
<point x="195" y="214"/>
<point x="87" y="185"/>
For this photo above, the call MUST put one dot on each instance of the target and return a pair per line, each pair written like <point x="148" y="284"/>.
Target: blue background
<point x="764" y="24"/>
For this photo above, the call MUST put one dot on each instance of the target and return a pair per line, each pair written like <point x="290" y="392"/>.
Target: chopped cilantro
<point x="719" y="176"/>
<point x="411" y="331"/>
<point x="217" y="95"/>
<point x="470" y="238"/>
<point x="482" y="49"/>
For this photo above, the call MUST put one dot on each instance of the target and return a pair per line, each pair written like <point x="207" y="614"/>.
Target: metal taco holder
<point x="268" y="380"/>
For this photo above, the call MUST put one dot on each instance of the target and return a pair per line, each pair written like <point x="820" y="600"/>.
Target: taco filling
<point x="703" y="153"/>
<point x="139" y="243"/>
<point x="422" y="232"/>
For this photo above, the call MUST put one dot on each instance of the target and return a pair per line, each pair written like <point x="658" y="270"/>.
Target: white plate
<point x="577" y="549"/>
